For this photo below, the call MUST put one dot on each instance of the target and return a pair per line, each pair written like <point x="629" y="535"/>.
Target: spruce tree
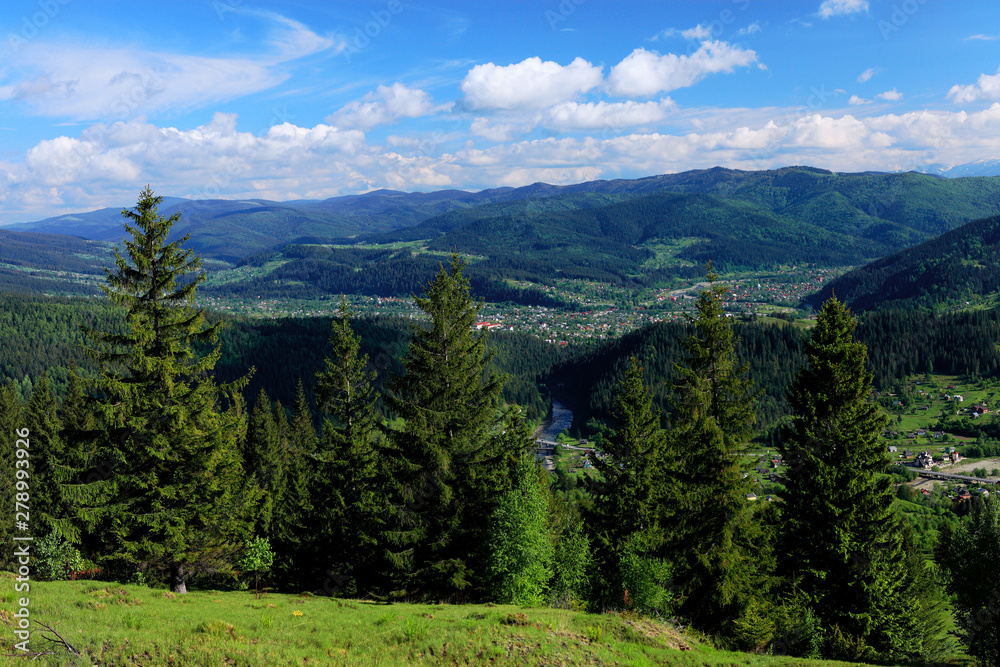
<point x="292" y="509"/>
<point x="626" y="491"/>
<point x="170" y="494"/>
<point x="47" y="454"/>
<point x="450" y="461"/>
<point x="264" y="462"/>
<point x="346" y="493"/>
<point x="842" y="542"/>
<point x="719" y="551"/>
<point x="971" y="557"/>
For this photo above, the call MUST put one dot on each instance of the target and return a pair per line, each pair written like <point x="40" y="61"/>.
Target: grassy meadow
<point x="117" y="624"/>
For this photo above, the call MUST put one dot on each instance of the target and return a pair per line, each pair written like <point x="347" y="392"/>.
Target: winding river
<point x="561" y="419"/>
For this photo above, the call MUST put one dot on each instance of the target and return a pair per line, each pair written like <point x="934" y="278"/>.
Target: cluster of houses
<point x="925" y="459"/>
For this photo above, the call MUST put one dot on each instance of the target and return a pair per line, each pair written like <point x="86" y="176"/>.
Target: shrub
<point x="257" y="559"/>
<point x="753" y="630"/>
<point x="570" y="566"/>
<point x="646" y="581"/>
<point x="797" y="631"/>
<point x="56" y="558"/>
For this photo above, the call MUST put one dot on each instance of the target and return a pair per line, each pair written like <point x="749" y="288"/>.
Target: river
<point x="562" y="418"/>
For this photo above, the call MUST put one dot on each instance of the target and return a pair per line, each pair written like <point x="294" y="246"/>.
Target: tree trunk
<point x="178" y="580"/>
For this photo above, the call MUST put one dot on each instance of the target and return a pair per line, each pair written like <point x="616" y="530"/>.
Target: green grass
<point x="115" y="624"/>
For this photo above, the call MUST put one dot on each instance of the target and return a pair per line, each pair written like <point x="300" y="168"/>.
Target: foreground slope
<point x="114" y="624"/>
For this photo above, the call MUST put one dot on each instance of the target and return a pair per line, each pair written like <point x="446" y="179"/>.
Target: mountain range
<point x="636" y="231"/>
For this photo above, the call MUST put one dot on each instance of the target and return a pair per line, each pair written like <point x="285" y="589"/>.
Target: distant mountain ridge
<point x="625" y="231"/>
<point x="984" y="167"/>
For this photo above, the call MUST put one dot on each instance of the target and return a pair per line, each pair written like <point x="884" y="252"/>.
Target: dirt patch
<point x="966" y="467"/>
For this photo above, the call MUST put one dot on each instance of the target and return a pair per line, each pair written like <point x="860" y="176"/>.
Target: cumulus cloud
<point x="386" y="105"/>
<point x="987" y="87"/>
<point x="86" y="82"/>
<point x="890" y="95"/>
<point x="644" y="73"/>
<point x="107" y="163"/>
<point x="857" y="101"/>
<point x="831" y="8"/>
<point x="529" y="84"/>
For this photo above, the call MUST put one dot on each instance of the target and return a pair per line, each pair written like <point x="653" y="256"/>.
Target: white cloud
<point x="85" y="82"/>
<point x="500" y="131"/>
<point x="857" y="101"/>
<point x="890" y="95"/>
<point x="606" y="115"/>
<point x="644" y="73"/>
<point x="867" y="74"/>
<point x="986" y="87"/>
<point x="384" y="106"/>
<point x="842" y="7"/>
<point x="529" y="84"/>
<point x="982" y="37"/>
<point x="751" y="29"/>
<point x="699" y="33"/>
<point x="107" y="164"/>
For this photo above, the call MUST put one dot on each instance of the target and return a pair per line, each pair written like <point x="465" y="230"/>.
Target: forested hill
<point x="957" y="269"/>
<point x="744" y="218"/>
<point x="900" y="343"/>
<point x="859" y="216"/>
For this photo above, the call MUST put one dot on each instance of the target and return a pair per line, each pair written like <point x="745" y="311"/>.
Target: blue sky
<point x="291" y="100"/>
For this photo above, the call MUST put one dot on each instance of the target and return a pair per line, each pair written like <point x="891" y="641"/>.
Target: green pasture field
<point x="116" y="624"/>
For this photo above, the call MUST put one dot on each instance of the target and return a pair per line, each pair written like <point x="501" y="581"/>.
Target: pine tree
<point x="970" y="556"/>
<point x="843" y="545"/>
<point x="626" y="492"/>
<point x="170" y="495"/>
<point x="346" y="491"/>
<point x="47" y="454"/>
<point x="450" y="460"/>
<point x="264" y="462"/>
<point x="293" y="508"/>
<point x="717" y="546"/>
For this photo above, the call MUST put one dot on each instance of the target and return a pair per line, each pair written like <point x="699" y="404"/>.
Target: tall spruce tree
<point x="842" y="541"/>
<point x="347" y="493"/>
<point x="452" y="458"/>
<point x="293" y="508"/>
<point x="169" y="495"/>
<point x="42" y="418"/>
<point x="971" y="557"/>
<point x="264" y="462"/>
<point x="720" y="553"/>
<point x="627" y="491"/>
